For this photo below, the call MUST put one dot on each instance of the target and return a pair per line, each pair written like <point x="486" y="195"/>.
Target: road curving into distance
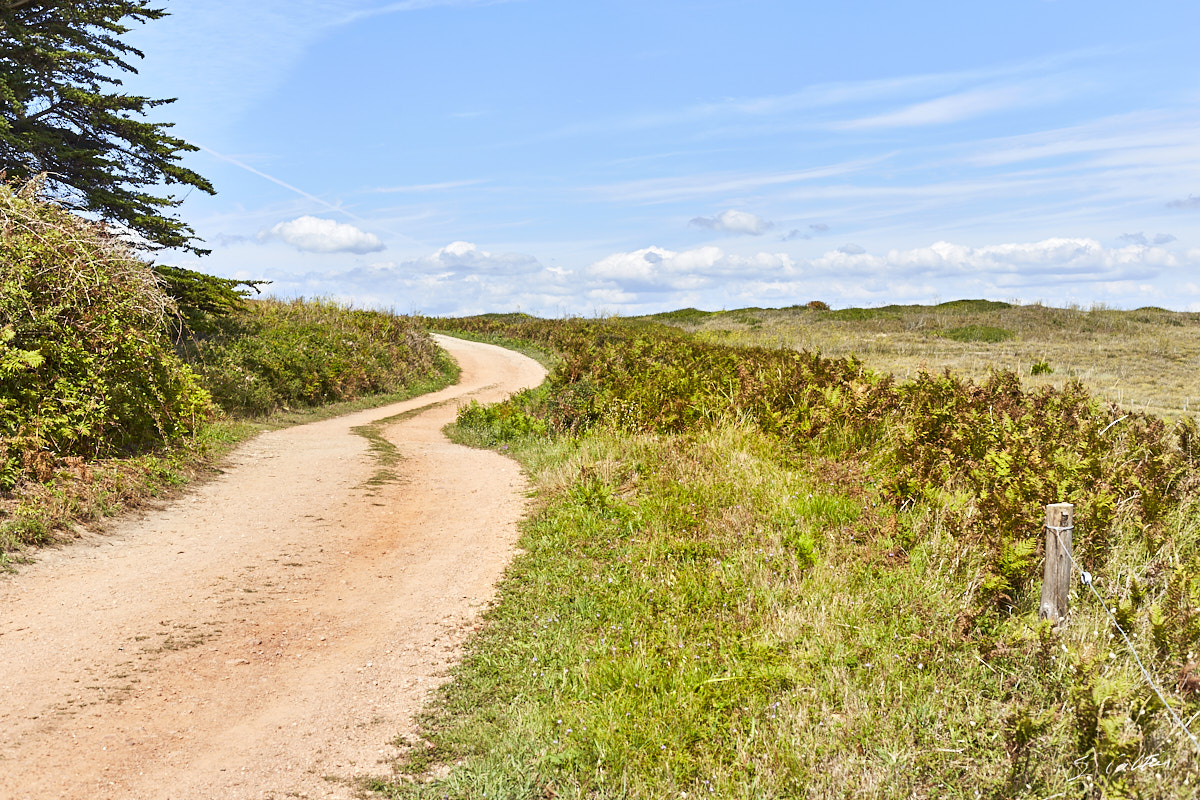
<point x="272" y="632"/>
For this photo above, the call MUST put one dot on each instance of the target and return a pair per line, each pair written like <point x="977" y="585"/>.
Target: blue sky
<point x="452" y="157"/>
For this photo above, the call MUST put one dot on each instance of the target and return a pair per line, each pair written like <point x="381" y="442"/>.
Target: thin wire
<point x="1087" y="580"/>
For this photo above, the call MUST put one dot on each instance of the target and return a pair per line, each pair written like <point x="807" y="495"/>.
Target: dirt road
<point x="270" y="634"/>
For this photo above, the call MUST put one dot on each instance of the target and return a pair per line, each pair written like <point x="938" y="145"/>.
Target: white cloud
<point x="1026" y="264"/>
<point x="459" y="278"/>
<point x="466" y="257"/>
<point x="315" y="235"/>
<point x="1189" y="202"/>
<point x="657" y="268"/>
<point x="464" y="278"/>
<point x="732" y="221"/>
<point x="1060" y="269"/>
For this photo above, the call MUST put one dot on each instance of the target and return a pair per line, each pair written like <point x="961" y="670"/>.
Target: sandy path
<point x="272" y="632"/>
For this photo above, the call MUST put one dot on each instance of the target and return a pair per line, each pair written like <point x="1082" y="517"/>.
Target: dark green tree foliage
<point x="62" y="113"/>
<point x="86" y="366"/>
<point x="203" y="299"/>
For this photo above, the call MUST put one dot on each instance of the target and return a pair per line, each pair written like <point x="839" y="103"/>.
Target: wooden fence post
<point x="1056" y="582"/>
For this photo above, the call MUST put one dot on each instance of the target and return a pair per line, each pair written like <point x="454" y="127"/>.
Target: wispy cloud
<point x="732" y="221"/>
<point x="952" y="108"/>
<point x="425" y="187"/>
<point x="217" y="68"/>
<point x="814" y="229"/>
<point x="1154" y="133"/>
<point x="414" y="5"/>
<point x="930" y="97"/>
<point x="278" y="182"/>
<point x="664" y="190"/>
<point x="1189" y="202"/>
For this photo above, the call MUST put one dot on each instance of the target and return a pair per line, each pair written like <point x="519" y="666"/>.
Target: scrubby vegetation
<point x="272" y="355"/>
<point x="1141" y="359"/>
<point x="86" y="367"/>
<point x="770" y="573"/>
<point x="119" y="380"/>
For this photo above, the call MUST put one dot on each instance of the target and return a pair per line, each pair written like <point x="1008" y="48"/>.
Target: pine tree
<point x="62" y="113"/>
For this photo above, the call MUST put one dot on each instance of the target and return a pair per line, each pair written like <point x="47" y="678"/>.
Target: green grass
<point x="80" y="493"/>
<point x="711" y="614"/>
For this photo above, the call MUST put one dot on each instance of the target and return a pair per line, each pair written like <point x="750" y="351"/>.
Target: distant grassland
<point x="1147" y="359"/>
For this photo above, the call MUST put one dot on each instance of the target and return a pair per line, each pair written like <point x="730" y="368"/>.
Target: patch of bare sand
<point x="269" y="634"/>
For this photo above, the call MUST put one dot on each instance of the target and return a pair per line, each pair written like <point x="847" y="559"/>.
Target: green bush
<point x="86" y="367"/>
<point x="274" y="354"/>
<point x="500" y="423"/>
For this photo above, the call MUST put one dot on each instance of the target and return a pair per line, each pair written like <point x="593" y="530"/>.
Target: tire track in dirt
<point x="269" y="634"/>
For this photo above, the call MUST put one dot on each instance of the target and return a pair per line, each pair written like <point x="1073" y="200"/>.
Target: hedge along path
<point x="271" y="633"/>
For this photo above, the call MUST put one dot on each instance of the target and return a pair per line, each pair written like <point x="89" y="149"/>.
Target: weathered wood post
<point x="1056" y="581"/>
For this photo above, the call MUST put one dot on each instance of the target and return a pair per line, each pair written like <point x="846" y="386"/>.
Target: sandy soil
<point x="272" y="633"/>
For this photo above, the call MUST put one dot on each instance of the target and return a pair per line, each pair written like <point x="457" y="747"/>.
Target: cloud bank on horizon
<point x="464" y="156"/>
<point x="461" y="278"/>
